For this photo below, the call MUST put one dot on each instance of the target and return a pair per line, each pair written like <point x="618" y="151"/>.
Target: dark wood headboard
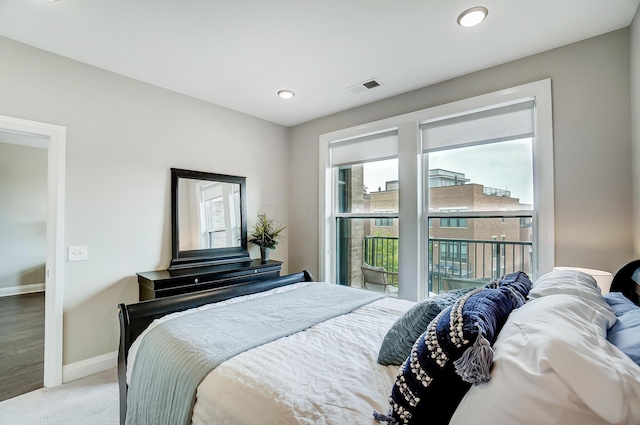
<point x="623" y="281"/>
<point x="135" y="318"/>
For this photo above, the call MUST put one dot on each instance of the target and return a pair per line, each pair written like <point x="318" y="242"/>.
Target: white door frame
<point x="54" y="279"/>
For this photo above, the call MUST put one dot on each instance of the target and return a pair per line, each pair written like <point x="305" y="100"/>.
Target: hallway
<point x="21" y="344"/>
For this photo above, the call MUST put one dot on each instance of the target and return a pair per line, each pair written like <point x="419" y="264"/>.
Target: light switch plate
<point x="77" y="253"/>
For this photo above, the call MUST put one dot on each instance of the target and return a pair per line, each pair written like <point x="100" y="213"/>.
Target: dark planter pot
<point x="264" y="253"/>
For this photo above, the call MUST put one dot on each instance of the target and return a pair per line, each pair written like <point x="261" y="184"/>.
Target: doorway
<point x="23" y="217"/>
<point x="53" y="138"/>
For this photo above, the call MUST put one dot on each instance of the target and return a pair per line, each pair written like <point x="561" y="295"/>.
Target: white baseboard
<point x="22" y="289"/>
<point x="77" y="370"/>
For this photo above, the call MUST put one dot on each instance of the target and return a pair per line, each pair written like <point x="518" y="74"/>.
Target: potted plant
<point x="267" y="235"/>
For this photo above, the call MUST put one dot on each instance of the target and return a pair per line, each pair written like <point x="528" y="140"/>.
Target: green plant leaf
<point x="266" y="233"/>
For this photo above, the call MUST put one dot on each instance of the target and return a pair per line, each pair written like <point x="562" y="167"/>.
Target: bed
<point x="328" y="370"/>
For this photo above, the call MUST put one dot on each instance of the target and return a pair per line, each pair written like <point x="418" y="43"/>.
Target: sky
<point x="504" y="165"/>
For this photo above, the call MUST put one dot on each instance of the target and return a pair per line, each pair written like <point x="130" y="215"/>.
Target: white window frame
<point x="332" y="205"/>
<point x="413" y="229"/>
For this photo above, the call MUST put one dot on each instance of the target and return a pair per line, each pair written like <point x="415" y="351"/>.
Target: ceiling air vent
<point x="369" y="84"/>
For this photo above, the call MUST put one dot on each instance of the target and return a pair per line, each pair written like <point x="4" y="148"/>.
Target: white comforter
<point x="553" y="365"/>
<point x="277" y="384"/>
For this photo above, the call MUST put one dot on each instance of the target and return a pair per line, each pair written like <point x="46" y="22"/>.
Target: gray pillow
<point x="398" y="341"/>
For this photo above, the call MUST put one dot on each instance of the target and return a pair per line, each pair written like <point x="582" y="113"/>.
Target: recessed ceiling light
<point x="286" y="94"/>
<point x="473" y="16"/>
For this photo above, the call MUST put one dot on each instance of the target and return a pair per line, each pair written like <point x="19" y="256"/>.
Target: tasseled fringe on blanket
<point x="474" y="366"/>
<point x="384" y="419"/>
<point x="517" y="299"/>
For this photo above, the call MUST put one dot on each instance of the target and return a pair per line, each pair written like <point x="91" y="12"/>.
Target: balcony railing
<point x="456" y="263"/>
<point x="492" y="191"/>
<point x="382" y="251"/>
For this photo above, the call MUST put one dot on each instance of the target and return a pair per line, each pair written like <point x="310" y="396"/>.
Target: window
<point x="484" y="161"/>
<point x="215" y="222"/>
<point x="221" y="212"/>
<point x="526" y="222"/>
<point x="365" y="193"/>
<point x="456" y="141"/>
<point x="453" y="251"/>
<point x="452" y="221"/>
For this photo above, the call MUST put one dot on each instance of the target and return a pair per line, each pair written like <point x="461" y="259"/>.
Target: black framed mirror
<point x="208" y="219"/>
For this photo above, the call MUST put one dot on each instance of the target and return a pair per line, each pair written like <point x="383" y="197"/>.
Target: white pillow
<point x="567" y="282"/>
<point x="553" y="365"/>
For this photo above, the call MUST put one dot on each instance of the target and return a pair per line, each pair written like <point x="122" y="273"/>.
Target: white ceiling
<point x="239" y="53"/>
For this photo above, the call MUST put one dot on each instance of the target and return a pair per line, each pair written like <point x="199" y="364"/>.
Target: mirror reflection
<point x="209" y="214"/>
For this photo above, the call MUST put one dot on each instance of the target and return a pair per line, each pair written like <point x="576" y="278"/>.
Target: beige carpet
<point x="92" y="400"/>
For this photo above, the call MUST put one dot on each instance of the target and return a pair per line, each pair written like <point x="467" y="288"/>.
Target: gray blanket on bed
<point x="175" y="356"/>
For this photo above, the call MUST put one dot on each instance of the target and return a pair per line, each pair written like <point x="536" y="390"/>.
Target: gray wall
<point x="123" y="136"/>
<point x="23" y="215"/>
<point x="592" y="148"/>
<point x="635" y="126"/>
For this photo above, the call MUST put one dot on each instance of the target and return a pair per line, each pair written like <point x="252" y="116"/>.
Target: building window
<point x="526" y="222"/>
<point x="453" y="251"/>
<point x="384" y="222"/>
<point x="453" y="222"/>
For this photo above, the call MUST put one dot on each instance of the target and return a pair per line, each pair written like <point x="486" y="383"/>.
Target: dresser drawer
<point x="204" y="284"/>
<point x="164" y="284"/>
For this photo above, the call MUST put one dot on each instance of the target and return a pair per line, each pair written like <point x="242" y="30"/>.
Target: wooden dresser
<point x="164" y="283"/>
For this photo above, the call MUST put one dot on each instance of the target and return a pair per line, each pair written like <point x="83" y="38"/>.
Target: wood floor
<point x="21" y="344"/>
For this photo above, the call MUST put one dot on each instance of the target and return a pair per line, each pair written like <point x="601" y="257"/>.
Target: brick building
<point x="466" y="247"/>
<point x="476" y="247"/>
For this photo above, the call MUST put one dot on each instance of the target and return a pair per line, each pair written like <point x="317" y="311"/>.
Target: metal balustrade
<point x="382" y="251"/>
<point x="456" y="263"/>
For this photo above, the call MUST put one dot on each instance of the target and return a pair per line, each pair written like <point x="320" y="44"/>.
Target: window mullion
<point x="367" y="215"/>
<point x="481" y="214"/>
